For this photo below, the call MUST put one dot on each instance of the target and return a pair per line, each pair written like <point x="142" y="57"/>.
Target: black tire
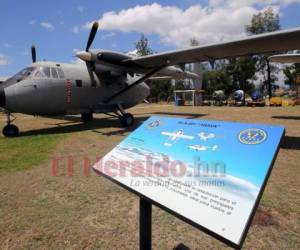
<point x="10" y="131"/>
<point x="87" y="117"/>
<point x="127" y="120"/>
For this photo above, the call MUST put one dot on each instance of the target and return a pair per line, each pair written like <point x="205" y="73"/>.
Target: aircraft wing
<point x="189" y="137"/>
<point x="168" y="134"/>
<point x="251" y="45"/>
<point x="285" y="58"/>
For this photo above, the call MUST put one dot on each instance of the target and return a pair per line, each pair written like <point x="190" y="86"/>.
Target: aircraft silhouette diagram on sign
<point x="173" y="137"/>
<point x="111" y="82"/>
<point x="203" y="148"/>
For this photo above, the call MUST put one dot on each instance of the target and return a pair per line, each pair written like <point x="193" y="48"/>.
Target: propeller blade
<point x="92" y="36"/>
<point x="33" y="53"/>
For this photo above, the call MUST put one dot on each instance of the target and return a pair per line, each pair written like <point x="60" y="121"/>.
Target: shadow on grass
<point x="286" y="117"/>
<point x="181" y="247"/>
<point x="97" y="123"/>
<point x="187" y="115"/>
<point x="290" y="142"/>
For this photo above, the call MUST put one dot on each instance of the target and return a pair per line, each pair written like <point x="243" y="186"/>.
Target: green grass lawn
<point x="25" y="152"/>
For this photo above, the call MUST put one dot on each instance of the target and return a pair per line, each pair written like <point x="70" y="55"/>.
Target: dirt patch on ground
<point x="264" y="217"/>
<point x="74" y="208"/>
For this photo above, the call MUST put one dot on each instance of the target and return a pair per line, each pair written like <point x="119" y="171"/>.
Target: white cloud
<point x="75" y="29"/>
<point x="108" y="35"/>
<point x="220" y="20"/>
<point x="242" y="3"/>
<point x="4" y="60"/>
<point x="132" y="53"/>
<point x="48" y="26"/>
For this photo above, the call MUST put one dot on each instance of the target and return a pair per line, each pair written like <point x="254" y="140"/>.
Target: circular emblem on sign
<point x="154" y="124"/>
<point x="252" y="136"/>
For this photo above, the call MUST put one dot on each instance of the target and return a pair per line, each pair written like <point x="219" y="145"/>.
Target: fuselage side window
<point x="60" y="73"/>
<point x="46" y="71"/>
<point x="54" y="73"/>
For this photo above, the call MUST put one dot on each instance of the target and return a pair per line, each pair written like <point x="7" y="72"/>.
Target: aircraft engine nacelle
<point x="111" y="57"/>
<point x="111" y="71"/>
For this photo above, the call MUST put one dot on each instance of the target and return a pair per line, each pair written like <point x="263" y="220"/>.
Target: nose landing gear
<point x="87" y="117"/>
<point x="126" y="119"/>
<point x="10" y="130"/>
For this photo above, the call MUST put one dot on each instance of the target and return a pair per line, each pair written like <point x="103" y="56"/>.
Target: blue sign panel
<point x="209" y="173"/>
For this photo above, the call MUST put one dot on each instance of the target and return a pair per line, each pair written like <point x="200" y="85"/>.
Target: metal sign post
<point x="145" y="224"/>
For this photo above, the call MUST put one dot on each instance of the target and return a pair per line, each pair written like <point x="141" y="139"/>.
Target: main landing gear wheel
<point x="87" y="117"/>
<point x="127" y="120"/>
<point x="10" y="130"/>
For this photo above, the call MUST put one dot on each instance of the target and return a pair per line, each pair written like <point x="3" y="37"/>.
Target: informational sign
<point x="209" y="173"/>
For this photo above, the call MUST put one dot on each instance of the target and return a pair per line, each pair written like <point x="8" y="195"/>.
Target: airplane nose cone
<point x="2" y="98"/>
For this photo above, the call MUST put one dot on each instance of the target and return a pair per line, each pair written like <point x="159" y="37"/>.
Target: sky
<point x="60" y="28"/>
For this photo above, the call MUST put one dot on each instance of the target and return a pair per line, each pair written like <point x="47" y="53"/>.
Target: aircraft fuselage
<point x="66" y="89"/>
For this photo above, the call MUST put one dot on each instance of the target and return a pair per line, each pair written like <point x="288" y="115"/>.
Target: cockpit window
<point x="39" y="74"/>
<point x="60" y="73"/>
<point x="46" y="71"/>
<point x="24" y="74"/>
<point x="54" y="73"/>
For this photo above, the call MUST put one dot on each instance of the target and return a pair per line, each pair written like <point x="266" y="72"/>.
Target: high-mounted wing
<point x="252" y="45"/>
<point x="285" y="58"/>
<point x="188" y="137"/>
<point x="168" y="134"/>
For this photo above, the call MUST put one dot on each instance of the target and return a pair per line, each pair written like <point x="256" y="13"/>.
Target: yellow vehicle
<point x="288" y="102"/>
<point x="276" y="101"/>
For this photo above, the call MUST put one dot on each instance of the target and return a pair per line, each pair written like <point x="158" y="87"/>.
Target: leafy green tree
<point x="242" y="71"/>
<point x="290" y="73"/>
<point x="160" y="90"/>
<point x="266" y="21"/>
<point x="143" y="47"/>
<point x="263" y="22"/>
<point x="216" y="80"/>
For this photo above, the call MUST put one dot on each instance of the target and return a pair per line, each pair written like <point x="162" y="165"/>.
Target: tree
<point x="160" y="90"/>
<point x="216" y="80"/>
<point x="143" y="47"/>
<point x="242" y="70"/>
<point x="290" y="73"/>
<point x="263" y="22"/>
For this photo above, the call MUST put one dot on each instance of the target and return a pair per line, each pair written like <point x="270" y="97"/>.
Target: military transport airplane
<point x="203" y="148"/>
<point x="111" y="82"/>
<point x="173" y="137"/>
